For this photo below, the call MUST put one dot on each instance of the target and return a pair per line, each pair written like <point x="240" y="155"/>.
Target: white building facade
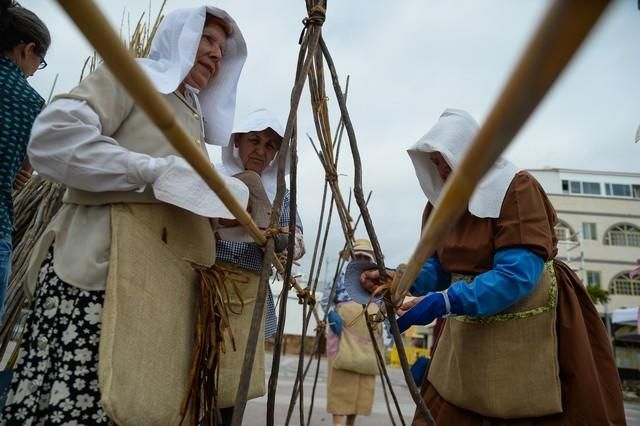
<point x="598" y="228"/>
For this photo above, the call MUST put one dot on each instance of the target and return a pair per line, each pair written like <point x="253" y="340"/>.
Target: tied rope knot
<point x="292" y="282"/>
<point x="272" y="232"/>
<point x="331" y="176"/>
<point x="305" y="296"/>
<point x="317" y="15"/>
<point x="316" y="18"/>
<point x="321" y="328"/>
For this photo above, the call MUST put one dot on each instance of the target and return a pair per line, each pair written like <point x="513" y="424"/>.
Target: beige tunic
<point x="81" y="231"/>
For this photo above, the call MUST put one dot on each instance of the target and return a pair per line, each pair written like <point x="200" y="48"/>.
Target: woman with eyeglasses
<point x="24" y="40"/>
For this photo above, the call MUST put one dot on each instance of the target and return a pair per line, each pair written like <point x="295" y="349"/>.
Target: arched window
<point x="622" y="234"/>
<point x="624" y="284"/>
<point x="564" y="232"/>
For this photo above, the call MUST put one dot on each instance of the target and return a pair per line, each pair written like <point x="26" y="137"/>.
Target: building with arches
<point x="598" y="229"/>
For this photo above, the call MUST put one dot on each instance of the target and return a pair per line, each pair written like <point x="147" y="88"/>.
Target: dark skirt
<point x="56" y="377"/>
<point x="591" y="389"/>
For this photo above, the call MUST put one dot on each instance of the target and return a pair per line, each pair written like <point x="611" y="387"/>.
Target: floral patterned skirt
<point x="56" y="376"/>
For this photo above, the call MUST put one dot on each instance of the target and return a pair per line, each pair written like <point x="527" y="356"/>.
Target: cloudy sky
<point x="407" y="63"/>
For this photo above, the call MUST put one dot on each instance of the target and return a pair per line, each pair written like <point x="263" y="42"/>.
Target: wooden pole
<point x="564" y="28"/>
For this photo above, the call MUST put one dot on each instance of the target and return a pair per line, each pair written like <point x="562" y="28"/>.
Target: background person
<point x="349" y="393"/>
<point x="252" y="156"/>
<point x="24" y="41"/>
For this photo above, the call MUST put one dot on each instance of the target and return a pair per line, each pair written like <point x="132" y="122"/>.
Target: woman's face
<point x="441" y="164"/>
<point x="208" y="56"/>
<point x="27" y="59"/>
<point x="257" y="149"/>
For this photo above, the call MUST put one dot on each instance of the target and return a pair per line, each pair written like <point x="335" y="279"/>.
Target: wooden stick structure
<point x="564" y="28"/>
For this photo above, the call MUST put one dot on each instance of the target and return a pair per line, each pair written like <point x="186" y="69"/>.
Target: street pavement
<point x="255" y="413"/>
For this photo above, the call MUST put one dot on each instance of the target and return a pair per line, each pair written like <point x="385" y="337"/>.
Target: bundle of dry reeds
<point x="34" y="206"/>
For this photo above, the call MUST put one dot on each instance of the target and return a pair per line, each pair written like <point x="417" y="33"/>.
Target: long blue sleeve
<point x="432" y="277"/>
<point x="515" y="273"/>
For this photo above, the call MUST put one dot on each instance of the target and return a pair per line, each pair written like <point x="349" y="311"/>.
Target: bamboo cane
<point x="564" y="28"/>
<point x="90" y="20"/>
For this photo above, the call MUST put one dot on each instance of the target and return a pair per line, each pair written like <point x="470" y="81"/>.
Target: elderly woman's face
<point x="257" y="149"/>
<point x="208" y="56"/>
<point x="441" y="164"/>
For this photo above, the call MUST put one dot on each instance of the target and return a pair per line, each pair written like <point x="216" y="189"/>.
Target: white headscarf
<point x="173" y="53"/>
<point x="256" y="121"/>
<point x="451" y="136"/>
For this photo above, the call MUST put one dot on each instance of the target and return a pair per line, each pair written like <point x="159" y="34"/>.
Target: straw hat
<point x="362" y="246"/>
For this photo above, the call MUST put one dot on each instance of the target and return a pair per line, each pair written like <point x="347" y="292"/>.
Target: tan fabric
<point x="349" y="393"/>
<point x="488" y="355"/>
<point x="356" y="352"/>
<point x="148" y="319"/>
<point x="242" y="288"/>
<point x="82" y="229"/>
<point x="259" y="207"/>
<point x="590" y="384"/>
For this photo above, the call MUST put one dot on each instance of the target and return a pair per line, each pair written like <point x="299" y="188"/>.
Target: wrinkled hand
<point x="21" y="178"/>
<point x="335" y="323"/>
<point x="370" y="280"/>
<point x="423" y="312"/>
<point x="409" y="303"/>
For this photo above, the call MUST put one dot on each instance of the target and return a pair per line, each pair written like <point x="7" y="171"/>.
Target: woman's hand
<point x="370" y="280"/>
<point x="409" y="302"/>
<point x="21" y="179"/>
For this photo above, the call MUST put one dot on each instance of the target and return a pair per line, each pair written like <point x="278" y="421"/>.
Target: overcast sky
<point x="408" y="61"/>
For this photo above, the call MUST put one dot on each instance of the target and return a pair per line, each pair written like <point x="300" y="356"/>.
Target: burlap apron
<point x="506" y="365"/>
<point x="242" y="287"/>
<point x="148" y="320"/>
<point x="349" y="393"/>
<point x="356" y="352"/>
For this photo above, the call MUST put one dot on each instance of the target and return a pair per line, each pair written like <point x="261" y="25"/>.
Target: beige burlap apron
<point x="242" y="287"/>
<point x="356" y="352"/>
<point x="148" y="317"/>
<point x="506" y="365"/>
<point x="349" y="393"/>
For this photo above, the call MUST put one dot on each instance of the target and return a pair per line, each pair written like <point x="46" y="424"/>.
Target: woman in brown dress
<point x="524" y="344"/>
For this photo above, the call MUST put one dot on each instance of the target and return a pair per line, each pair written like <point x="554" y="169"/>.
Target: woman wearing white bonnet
<point x="137" y="219"/>
<point x="524" y="343"/>
<point x="252" y="156"/>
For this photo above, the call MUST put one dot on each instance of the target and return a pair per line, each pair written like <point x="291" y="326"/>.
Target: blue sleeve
<point x="432" y="277"/>
<point x="515" y="273"/>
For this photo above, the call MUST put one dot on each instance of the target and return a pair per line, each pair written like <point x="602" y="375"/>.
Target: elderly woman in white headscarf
<point x="128" y="223"/>
<point x="523" y="343"/>
<point x="252" y="156"/>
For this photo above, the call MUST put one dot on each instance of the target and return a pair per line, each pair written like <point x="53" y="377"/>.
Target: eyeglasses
<point x="43" y="64"/>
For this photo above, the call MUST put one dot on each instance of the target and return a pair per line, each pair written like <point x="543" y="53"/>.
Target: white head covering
<point x="256" y="121"/>
<point x="173" y="53"/>
<point x="451" y="136"/>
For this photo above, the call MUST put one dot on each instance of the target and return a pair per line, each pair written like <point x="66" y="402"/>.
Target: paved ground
<point x="255" y="413"/>
<point x="256" y="409"/>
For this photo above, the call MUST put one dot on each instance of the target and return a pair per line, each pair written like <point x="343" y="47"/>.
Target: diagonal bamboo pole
<point x="564" y="28"/>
